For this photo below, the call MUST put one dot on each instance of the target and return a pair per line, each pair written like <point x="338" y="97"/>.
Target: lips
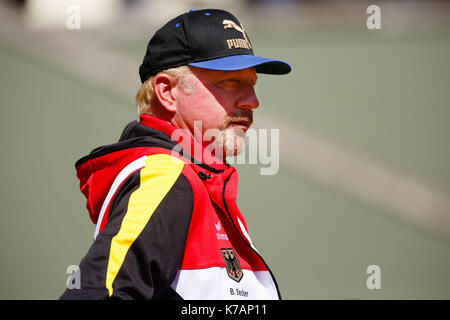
<point x="241" y="121"/>
<point x="239" y="125"/>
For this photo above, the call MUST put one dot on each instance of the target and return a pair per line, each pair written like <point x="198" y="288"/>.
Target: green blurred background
<point x="378" y="96"/>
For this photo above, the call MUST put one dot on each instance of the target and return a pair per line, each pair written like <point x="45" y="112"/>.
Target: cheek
<point x="206" y="109"/>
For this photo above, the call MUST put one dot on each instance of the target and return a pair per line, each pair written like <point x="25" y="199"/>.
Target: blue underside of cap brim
<point x="239" y="62"/>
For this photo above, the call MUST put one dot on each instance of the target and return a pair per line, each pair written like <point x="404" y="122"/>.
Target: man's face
<point x="220" y="100"/>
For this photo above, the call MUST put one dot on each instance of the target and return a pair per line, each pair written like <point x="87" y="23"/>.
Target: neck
<point x="183" y="137"/>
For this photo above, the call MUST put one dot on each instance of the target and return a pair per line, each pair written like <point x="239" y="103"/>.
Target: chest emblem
<point x="232" y="264"/>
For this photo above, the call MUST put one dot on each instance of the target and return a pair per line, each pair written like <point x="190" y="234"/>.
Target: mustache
<point x="244" y="117"/>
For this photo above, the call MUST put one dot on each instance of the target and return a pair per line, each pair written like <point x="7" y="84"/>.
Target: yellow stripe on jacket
<point x="156" y="179"/>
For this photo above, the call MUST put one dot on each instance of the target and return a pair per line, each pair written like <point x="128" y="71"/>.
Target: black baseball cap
<point x="210" y="39"/>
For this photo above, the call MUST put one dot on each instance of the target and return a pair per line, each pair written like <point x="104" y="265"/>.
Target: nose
<point x="248" y="99"/>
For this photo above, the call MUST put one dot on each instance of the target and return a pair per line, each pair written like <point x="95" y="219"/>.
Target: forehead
<point x="244" y="74"/>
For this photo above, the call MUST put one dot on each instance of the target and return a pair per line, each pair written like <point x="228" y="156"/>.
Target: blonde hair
<point x="146" y="98"/>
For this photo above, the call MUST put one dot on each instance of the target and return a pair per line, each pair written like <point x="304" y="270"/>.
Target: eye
<point x="230" y="82"/>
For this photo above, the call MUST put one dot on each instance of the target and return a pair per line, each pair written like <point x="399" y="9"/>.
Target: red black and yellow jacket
<point x="167" y="223"/>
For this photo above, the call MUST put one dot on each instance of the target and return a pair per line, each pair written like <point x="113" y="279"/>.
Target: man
<point x="163" y="198"/>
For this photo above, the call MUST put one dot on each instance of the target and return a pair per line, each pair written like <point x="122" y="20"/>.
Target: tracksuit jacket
<point x="167" y="223"/>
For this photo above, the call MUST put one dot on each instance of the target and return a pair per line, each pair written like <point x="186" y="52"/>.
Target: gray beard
<point x="229" y="143"/>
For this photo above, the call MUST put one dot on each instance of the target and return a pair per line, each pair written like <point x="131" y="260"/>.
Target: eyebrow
<point x="226" y="74"/>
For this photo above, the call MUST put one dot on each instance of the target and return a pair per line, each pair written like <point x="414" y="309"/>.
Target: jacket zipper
<point x="204" y="176"/>
<point x="240" y="233"/>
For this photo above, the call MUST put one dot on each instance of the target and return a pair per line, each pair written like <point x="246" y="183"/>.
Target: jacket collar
<point x="97" y="170"/>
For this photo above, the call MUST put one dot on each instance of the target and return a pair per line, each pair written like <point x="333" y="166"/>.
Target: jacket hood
<point x="98" y="170"/>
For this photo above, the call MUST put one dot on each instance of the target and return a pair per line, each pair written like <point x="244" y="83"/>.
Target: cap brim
<point x="239" y="62"/>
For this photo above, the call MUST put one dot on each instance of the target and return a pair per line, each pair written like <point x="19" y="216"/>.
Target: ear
<point x="164" y="86"/>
